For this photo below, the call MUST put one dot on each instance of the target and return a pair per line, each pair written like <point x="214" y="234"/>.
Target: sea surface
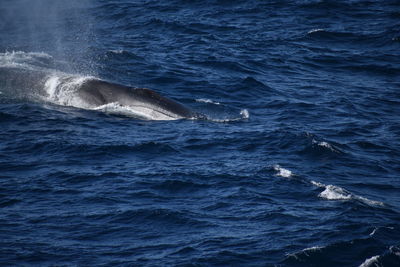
<point x="297" y="162"/>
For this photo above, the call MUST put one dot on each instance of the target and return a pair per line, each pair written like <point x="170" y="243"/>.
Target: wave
<point x="333" y="192"/>
<point x="328" y="34"/>
<point x="373" y="261"/>
<point x="306" y="252"/>
<point x="315" y="147"/>
<point x="329" y="192"/>
<point x="370" y="252"/>
<point x="385" y="38"/>
<point x="325" y="144"/>
<point x="390" y="257"/>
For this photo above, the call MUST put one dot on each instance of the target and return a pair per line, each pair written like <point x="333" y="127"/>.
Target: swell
<point x="54" y="147"/>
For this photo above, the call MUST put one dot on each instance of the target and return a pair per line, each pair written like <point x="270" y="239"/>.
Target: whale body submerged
<point x="145" y="103"/>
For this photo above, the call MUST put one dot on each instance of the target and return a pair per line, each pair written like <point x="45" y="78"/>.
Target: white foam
<point x="245" y="113"/>
<point x="317" y="184"/>
<point x="325" y="145"/>
<point x="203" y="100"/>
<point x="282" y="171"/>
<point x="332" y="192"/>
<point x="312" y="249"/>
<point x="373" y="261"/>
<point x="373" y="231"/>
<point x="117" y="51"/>
<point x="315" y="30"/>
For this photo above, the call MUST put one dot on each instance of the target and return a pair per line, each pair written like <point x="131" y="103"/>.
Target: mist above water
<point x="63" y="29"/>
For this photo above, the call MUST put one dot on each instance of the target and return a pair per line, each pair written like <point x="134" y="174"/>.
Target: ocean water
<point x="297" y="162"/>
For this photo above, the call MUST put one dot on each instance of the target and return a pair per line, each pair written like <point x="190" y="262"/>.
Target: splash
<point x="61" y="90"/>
<point x="333" y="192"/>
<point x="245" y="113"/>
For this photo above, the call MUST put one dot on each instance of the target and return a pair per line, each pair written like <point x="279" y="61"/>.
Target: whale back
<point x="98" y="92"/>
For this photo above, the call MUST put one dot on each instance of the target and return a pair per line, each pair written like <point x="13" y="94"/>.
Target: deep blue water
<point x="310" y="178"/>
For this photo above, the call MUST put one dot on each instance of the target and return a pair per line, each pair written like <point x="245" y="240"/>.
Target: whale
<point x="87" y="92"/>
<point x="145" y="103"/>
